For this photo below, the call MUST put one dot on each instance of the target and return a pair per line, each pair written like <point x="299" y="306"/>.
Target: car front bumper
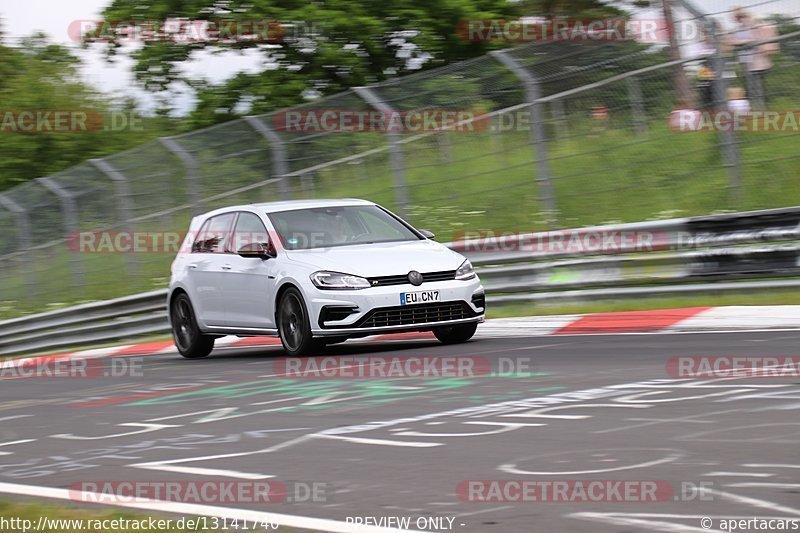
<point x="378" y="309"/>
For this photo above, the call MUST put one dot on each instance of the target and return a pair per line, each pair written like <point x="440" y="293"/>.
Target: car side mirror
<point x="427" y="234"/>
<point x="258" y="250"/>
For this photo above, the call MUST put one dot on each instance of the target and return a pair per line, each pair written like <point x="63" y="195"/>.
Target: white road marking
<point x="197" y="471"/>
<point x="279" y="400"/>
<point x="755" y="502"/>
<point x="505" y="427"/>
<point x="512" y="469"/>
<point x="295" y="521"/>
<point x="539" y="413"/>
<point x="222" y="411"/>
<point x="767" y="465"/>
<point x="15" y="441"/>
<point x="13" y="418"/>
<point x="738" y="474"/>
<point x="766" y="485"/>
<point x="382" y="442"/>
<point x="168" y="465"/>
<point x="503" y="508"/>
<point x="655" y="421"/>
<point x="146" y="428"/>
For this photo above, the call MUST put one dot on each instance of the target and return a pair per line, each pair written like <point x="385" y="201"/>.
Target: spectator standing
<point x="754" y="60"/>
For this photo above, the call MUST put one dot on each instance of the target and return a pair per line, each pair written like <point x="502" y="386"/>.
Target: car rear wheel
<point x="189" y="340"/>
<point x="455" y="334"/>
<point x="294" y="327"/>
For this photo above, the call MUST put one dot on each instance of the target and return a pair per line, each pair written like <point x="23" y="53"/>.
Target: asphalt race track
<point x="379" y="448"/>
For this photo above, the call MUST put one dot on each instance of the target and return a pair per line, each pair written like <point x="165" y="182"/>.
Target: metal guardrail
<point x="712" y="254"/>
<point x="86" y="324"/>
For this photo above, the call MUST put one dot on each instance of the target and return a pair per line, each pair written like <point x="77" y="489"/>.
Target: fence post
<point x="727" y="139"/>
<point x="637" y="106"/>
<point x="395" y="150"/>
<point x="24" y="240"/>
<point x="124" y="208"/>
<point x="190" y="165"/>
<point x="538" y="133"/>
<point x="69" y="210"/>
<point x="280" y="167"/>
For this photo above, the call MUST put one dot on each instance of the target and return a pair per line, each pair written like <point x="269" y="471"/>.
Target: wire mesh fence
<point x="543" y="135"/>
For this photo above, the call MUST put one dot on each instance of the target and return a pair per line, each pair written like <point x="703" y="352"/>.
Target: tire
<point x="189" y="340"/>
<point x="294" y="326"/>
<point x="455" y="334"/>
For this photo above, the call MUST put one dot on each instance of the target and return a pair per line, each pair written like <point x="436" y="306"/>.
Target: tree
<point x="39" y="76"/>
<point x="576" y="9"/>
<point x="683" y="90"/>
<point x="684" y="93"/>
<point x="325" y="47"/>
<point x="784" y="23"/>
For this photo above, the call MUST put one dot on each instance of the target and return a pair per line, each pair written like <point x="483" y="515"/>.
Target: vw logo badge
<point x="415" y="278"/>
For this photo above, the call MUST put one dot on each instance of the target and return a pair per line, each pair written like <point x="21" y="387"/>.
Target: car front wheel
<point x="191" y="343"/>
<point x="294" y="327"/>
<point x="455" y="334"/>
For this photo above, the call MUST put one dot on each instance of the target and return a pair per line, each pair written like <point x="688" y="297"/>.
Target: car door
<point x="248" y="282"/>
<point x="205" y="269"/>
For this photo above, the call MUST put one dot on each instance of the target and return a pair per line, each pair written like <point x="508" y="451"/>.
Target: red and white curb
<point x="686" y="320"/>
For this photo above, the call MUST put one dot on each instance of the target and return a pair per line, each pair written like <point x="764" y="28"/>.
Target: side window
<point x="213" y="234"/>
<point x="199" y="240"/>
<point x="249" y="229"/>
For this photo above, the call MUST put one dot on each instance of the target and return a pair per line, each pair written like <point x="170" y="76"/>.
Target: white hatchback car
<point x="316" y="272"/>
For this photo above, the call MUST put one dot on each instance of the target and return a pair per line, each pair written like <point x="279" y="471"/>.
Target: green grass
<point x="473" y="181"/>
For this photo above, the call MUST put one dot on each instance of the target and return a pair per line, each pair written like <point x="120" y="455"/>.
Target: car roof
<point x="289" y="205"/>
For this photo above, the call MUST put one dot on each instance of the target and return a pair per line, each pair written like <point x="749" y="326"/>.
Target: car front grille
<point x="407" y="315"/>
<point x="402" y="279"/>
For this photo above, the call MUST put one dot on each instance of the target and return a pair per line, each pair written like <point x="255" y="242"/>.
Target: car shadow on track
<point x="345" y="349"/>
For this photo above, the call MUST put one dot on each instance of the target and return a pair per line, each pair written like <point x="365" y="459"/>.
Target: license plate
<point x="421" y="297"/>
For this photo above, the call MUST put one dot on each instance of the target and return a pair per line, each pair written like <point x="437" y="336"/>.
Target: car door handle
<point x="226" y="267"/>
<point x="193" y="266"/>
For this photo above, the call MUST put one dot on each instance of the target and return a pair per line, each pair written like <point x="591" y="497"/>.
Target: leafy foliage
<point x="41" y="76"/>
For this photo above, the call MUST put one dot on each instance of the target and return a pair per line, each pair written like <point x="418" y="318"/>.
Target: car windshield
<point x="323" y="227"/>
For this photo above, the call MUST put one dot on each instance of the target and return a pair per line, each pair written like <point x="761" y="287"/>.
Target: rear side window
<point x="213" y="235"/>
<point x="249" y="229"/>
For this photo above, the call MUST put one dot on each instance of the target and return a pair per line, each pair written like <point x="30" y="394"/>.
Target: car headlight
<point x="465" y="271"/>
<point x="336" y="280"/>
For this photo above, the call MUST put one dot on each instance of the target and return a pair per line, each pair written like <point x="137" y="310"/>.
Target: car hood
<point x="383" y="259"/>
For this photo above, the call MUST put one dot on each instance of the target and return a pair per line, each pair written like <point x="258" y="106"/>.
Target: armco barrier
<point x="751" y="251"/>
